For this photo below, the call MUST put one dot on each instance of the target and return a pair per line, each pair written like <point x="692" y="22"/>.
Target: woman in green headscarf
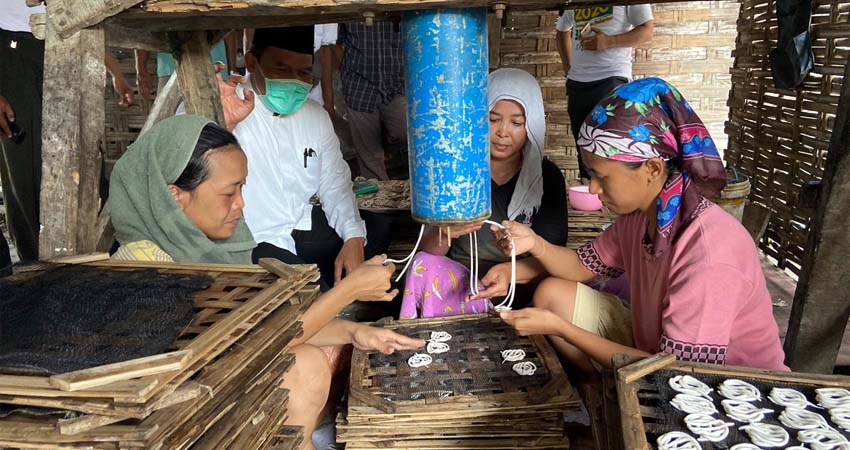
<point x="176" y="195"/>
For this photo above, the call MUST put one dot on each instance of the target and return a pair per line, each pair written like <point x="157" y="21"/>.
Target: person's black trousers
<point x="321" y="244"/>
<point x="21" y="77"/>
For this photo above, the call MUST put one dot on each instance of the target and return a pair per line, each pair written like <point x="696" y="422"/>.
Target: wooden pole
<point x="822" y="301"/>
<point x="197" y="77"/>
<point x="72" y="132"/>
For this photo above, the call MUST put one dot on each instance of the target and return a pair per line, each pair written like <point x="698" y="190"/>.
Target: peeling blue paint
<point x="446" y="62"/>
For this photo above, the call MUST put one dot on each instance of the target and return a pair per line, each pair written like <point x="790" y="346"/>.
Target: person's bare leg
<point x="309" y="382"/>
<point x="559" y="296"/>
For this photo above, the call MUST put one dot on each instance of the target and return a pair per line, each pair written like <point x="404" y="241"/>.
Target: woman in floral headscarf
<point x="697" y="288"/>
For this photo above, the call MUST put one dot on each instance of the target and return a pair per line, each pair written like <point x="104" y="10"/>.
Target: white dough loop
<point x="690" y="404"/>
<point x="440" y="336"/>
<point x="766" y="435"/>
<point x="745" y="446"/>
<point x="677" y="440"/>
<point x="513" y="355"/>
<point x="833" y="397"/>
<point x="744" y="411"/>
<point x="841" y="417"/>
<point x="419" y="360"/>
<point x="708" y="428"/>
<point x="437" y="347"/>
<point x="687" y="384"/>
<point x="802" y="419"/>
<point x="822" y="439"/>
<point x="739" y="390"/>
<point x="789" y="398"/>
<point x="525" y="368"/>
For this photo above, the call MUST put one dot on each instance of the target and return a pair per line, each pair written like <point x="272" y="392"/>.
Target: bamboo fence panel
<point x="780" y="137"/>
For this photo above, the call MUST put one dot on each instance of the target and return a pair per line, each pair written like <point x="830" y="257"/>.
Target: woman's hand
<point x="531" y="321"/>
<point x="496" y="283"/>
<point x="385" y="341"/>
<point x="524" y="238"/>
<point x="370" y="281"/>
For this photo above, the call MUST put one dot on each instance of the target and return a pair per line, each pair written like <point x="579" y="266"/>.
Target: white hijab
<point x="521" y="87"/>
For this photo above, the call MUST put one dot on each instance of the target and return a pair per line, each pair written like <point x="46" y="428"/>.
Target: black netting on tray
<point x="75" y="317"/>
<point x="657" y="393"/>
<point x="472" y="366"/>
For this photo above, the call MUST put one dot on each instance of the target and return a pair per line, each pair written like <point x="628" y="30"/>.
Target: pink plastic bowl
<point x="582" y="200"/>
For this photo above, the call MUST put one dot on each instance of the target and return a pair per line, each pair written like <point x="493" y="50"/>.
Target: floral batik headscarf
<point x="647" y="119"/>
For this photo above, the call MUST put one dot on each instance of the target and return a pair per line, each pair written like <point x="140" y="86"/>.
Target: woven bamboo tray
<point x="227" y="397"/>
<point x="583" y="226"/>
<point x="467" y="398"/>
<point x="643" y="396"/>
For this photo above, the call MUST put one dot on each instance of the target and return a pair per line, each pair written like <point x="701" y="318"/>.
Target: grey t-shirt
<point x="593" y="65"/>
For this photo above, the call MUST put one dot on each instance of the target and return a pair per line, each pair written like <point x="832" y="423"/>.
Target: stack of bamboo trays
<point x="583" y="226"/>
<point x="220" y="388"/>
<point x="468" y="398"/>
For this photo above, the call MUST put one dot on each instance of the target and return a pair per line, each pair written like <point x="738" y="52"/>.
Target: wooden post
<point x="822" y="301"/>
<point x="494" y="40"/>
<point x="70" y="16"/>
<point x="197" y="77"/>
<point x="72" y="132"/>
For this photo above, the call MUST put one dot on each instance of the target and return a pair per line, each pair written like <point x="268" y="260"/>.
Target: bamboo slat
<point x="779" y="137"/>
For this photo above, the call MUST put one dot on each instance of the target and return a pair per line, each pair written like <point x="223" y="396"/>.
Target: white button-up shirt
<point x="290" y="158"/>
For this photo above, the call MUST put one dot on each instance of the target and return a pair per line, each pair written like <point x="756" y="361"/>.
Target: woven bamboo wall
<point x="780" y="137"/>
<point x="691" y="49"/>
<point x="123" y="124"/>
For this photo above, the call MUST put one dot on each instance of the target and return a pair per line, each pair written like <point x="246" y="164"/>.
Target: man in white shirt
<point x="293" y="154"/>
<point x="596" y="46"/>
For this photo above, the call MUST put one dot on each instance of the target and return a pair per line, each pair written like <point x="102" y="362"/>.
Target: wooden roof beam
<point x="69" y="16"/>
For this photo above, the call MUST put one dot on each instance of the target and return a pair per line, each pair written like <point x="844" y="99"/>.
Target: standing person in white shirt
<point x="293" y="154"/>
<point x="596" y="46"/>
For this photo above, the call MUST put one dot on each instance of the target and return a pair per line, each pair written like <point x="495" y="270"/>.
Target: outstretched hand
<point x="532" y="321"/>
<point x="383" y="340"/>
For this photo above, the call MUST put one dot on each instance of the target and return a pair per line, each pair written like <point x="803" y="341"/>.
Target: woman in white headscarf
<point x="525" y="188"/>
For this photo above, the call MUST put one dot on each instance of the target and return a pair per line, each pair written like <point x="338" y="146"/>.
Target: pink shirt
<point x="705" y="300"/>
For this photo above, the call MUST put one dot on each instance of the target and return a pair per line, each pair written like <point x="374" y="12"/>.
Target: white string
<point x="409" y="257"/>
<point x="509" y="299"/>
<point x="745" y="446"/>
<point x="473" y="263"/>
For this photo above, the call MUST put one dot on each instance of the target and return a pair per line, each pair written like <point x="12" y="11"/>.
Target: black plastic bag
<point x="792" y="59"/>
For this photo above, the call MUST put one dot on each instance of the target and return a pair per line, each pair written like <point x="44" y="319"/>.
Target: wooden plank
<point x="197" y="78"/>
<point x="123" y="37"/>
<point x="127" y="370"/>
<point x="71" y="16"/>
<point x="640" y="369"/>
<point x="80" y="259"/>
<point x="494" y="40"/>
<point x="73" y="128"/>
<point x="822" y="301"/>
<point x="279" y="268"/>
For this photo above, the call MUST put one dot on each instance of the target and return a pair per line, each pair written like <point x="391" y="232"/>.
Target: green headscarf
<point x="143" y="208"/>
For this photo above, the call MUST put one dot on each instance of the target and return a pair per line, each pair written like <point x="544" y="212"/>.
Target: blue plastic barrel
<point x="446" y="64"/>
